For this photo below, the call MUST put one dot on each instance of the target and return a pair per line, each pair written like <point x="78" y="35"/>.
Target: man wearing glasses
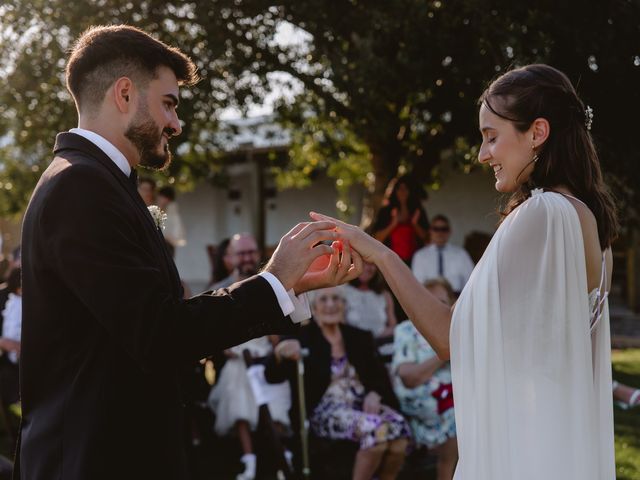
<point x="441" y="259"/>
<point x="244" y="251"/>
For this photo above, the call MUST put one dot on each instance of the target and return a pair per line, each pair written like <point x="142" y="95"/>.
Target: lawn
<point x="626" y="369"/>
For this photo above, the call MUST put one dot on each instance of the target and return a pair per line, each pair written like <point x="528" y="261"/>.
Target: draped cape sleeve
<point x="532" y="386"/>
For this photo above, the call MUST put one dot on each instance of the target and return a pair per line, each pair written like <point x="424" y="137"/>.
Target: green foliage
<point x="17" y="178"/>
<point x="387" y="83"/>
<point x="405" y="75"/>
<point x="329" y="147"/>
<point x="34" y="103"/>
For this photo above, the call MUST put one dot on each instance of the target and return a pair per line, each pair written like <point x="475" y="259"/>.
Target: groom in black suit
<point x="105" y="329"/>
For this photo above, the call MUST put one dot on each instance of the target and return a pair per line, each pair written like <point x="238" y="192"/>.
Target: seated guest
<point x="244" y="257"/>
<point x="624" y="396"/>
<point x="235" y="406"/>
<point x="223" y="263"/>
<point x="369" y="304"/>
<point x="347" y="390"/>
<point x="423" y="386"/>
<point x="13" y="262"/>
<point x="10" y="339"/>
<point x="232" y="399"/>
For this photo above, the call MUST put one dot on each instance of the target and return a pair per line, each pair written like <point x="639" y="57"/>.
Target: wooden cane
<point x="304" y="423"/>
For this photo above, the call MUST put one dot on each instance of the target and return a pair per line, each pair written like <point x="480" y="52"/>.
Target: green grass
<point x="626" y="369"/>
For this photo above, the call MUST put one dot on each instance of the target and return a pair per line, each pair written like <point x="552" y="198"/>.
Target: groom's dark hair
<point x="102" y="54"/>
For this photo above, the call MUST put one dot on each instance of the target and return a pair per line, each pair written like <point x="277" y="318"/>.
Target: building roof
<point x="252" y="133"/>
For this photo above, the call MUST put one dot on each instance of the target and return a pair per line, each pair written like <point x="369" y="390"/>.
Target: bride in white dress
<point x="529" y="336"/>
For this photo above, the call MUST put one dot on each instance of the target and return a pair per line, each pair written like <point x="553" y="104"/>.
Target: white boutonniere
<point x="159" y="217"/>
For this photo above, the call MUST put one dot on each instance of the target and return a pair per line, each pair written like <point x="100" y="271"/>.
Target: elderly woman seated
<point x="348" y="393"/>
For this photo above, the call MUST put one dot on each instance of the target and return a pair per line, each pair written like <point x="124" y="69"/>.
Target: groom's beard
<point x="143" y="133"/>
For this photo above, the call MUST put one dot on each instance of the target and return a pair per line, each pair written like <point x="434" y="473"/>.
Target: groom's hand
<point x="298" y="249"/>
<point x="343" y="265"/>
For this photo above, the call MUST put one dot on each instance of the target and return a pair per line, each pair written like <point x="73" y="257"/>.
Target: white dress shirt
<point x="107" y="147"/>
<point x="296" y="307"/>
<point x="456" y="262"/>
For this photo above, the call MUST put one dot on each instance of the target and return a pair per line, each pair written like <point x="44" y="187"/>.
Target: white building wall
<point x="293" y="206"/>
<point x="469" y="200"/>
<point x="199" y="213"/>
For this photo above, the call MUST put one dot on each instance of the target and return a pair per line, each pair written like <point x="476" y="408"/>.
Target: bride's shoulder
<point x="557" y="202"/>
<point x="534" y="220"/>
<point x="538" y="205"/>
<point x="541" y="208"/>
<point x="543" y="202"/>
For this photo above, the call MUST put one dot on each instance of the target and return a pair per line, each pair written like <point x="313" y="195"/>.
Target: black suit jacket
<point x="105" y="329"/>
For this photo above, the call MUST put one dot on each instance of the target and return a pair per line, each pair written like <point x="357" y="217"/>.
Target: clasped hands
<point x="314" y="255"/>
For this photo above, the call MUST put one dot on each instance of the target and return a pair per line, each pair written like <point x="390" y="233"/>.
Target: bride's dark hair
<point x="568" y="157"/>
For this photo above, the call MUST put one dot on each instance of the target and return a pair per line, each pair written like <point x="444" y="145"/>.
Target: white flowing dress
<point x="532" y="383"/>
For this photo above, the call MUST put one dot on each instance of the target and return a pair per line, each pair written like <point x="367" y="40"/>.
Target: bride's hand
<point x="343" y="265"/>
<point x="368" y="247"/>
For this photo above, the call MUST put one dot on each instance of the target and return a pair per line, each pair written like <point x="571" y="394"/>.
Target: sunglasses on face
<point x="440" y="229"/>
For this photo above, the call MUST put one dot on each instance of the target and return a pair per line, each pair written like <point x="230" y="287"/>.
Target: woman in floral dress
<point x="423" y="385"/>
<point x="348" y="393"/>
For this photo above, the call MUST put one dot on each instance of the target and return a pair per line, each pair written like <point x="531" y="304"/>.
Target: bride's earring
<point x="535" y="155"/>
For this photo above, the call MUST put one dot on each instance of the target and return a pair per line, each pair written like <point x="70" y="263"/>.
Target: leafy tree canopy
<point x="373" y="85"/>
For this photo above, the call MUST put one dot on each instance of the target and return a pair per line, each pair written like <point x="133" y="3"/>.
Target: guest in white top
<point x="12" y="326"/>
<point x="369" y="305"/>
<point x="12" y="318"/>
<point x="441" y="259"/>
<point x="10" y="340"/>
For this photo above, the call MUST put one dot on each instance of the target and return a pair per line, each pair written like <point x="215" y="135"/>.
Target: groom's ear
<point x="123" y="94"/>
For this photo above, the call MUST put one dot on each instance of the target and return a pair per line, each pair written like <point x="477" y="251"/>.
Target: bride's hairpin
<point x="588" y="117"/>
